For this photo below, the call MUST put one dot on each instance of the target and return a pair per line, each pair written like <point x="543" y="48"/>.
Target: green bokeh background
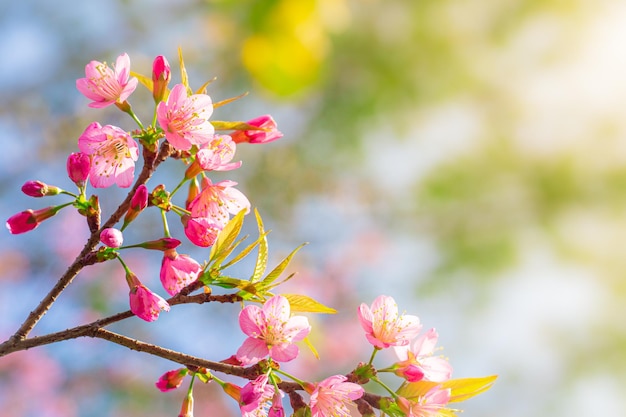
<point x="466" y="157"/>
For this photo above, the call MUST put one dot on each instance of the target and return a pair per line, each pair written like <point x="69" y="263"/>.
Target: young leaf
<point x="465" y="388"/>
<point x="229" y="100"/>
<point x="261" y="260"/>
<point x="202" y="89"/>
<point x="306" y="304"/>
<point x="271" y="277"/>
<point x="308" y="343"/>
<point x="145" y="81"/>
<point x="227" y="236"/>
<point x="244" y="252"/>
<point x="221" y="125"/>
<point x="183" y="72"/>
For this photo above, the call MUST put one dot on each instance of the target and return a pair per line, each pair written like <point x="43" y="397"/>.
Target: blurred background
<point x="466" y="158"/>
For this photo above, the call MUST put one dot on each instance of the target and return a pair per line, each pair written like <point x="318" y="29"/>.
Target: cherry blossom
<point x="161" y="75"/>
<point x="185" y="120"/>
<point x="113" y="155"/>
<point x="214" y="156"/>
<point x="217" y="201"/>
<point x="106" y="86"/>
<point x="331" y="397"/>
<point x="28" y="220"/>
<point x="267" y="133"/>
<point x="201" y="231"/>
<point x="178" y="271"/>
<point x="271" y="331"/>
<point x="111" y="237"/>
<point x="383" y="327"/>
<point x="171" y="379"/>
<point x="428" y="405"/>
<point x="254" y="397"/>
<point x="78" y="167"/>
<point x="144" y="303"/>
<point x="417" y="361"/>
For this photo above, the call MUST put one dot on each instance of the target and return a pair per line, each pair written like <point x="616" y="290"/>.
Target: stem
<point x="180" y="184"/>
<point x="299" y="381"/>
<point x="373" y="355"/>
<point x="151" y="161"/>
<point x="166" y="229"/>
<point x="382" y="384"/>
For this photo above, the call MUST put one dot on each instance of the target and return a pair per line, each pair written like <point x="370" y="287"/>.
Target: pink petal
<point x="251" y="351"/>
<point x="252" y="321"/>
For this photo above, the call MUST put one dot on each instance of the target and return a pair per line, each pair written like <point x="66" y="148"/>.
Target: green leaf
<point x="222" y="125"/>
<point x="306" y="304"/>
<point x="145" y="81"/>
<point x="229" y="100"/>
<point x="224" y="243"/>
<point x="461" y="389"/>
<point x="183" y="72"/>
<point x="271" y="277"/>
<point x="261" y="260"/>
<point x="243" y="253"/>
<point x="465" y="388"/>
<point x="308" y="343"/>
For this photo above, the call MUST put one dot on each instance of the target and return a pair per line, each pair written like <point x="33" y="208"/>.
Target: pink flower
<point x="383" y="327"/>
<point x="111" y="237"/>
<point x="171" y="379"/>
<point x="417" y="361"/>
<point x="137" y="204"/>
<point x="201" y="231"/>
<point x="78" y="167"/>
<point x="113" y="153"/>
<point x="331" y="397"/>
<point x="39" y="189"/>
<point x="276" y="409"/>
<point x="185" y="120"/>
<point x="216" y="201"/>
<point x="267" y="132"/>
<point x="161" y="76"/>
<point x="214" y="156"/>
<point x="272" y="331"/>
<point x="106" y="86"/>
<point x="428" y="405"/>
<point x="28" y="220"/>
<point x="254" y="397"/>
<point x="178" y="271"/>
<point x="144" y="303"/>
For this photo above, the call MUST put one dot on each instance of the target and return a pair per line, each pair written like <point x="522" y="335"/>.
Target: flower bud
<point x="112" y="237"/>
<point x="267" y="131"/>
<point x="161" y="76"/>
<point x="39" y="189"/>
<point x="78" y="166"/>
<point x="194" y="190"/>
<point x="144" y="303"/>
<point x="186" y="410"/>
<point x="137" y="204"/>
<point x="162" y="244"/>
<point x="29" y="219"/>
<point x="171" y="379"/>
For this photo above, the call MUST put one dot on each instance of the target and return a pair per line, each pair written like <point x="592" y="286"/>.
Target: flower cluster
<point x="212" y="216"/>
<point x="108" y="154"/>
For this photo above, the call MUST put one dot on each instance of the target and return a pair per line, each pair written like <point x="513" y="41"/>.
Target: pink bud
<point x="160" y="244"/>
<point x="171" y="379"/>
<point x="161" y="76"/>
<point x="178" y="271"/>
<point x="78" y="166"/>
<point x="267" y="131"/>
<point x="111" y="237"/>
<point x="39" y="189"/>
<point x="144" y="303"/>
<point x="137" y="204"/>
<point x="29" y="219"/>
<point x="201" y="231"/>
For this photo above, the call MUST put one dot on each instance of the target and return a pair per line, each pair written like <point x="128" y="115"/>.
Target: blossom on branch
<point x="254" y="397"/>
<point x="144" y="303"/>
<point x="417" y="361"/>
<point x="106" y="86"/>
<point x="267" y="132"/>
<point x="78" y="167"/>
<point x="185" y="119"/>
<point x="214" y="156"/>
<point x="271" y="331"/>
<point x="111" y="237"/>
<point x="28" y="220"/>
<point x="178" y="271"/>
<point x="113" y="155"/>
<point x="428" y="405"/>
<point x="201" y="231"/>
<point x="331" y="397"/>
<point x="171" y="379"/>
<point x="383" y="327"/>
<point x="217" y="201"/>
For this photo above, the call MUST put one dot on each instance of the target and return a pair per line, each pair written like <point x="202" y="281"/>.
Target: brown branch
<point x="151" y="161"/>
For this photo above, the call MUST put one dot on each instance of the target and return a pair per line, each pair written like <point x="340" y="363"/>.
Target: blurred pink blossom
<point x="383" y="327"/>
<point x="417" y="361"/>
